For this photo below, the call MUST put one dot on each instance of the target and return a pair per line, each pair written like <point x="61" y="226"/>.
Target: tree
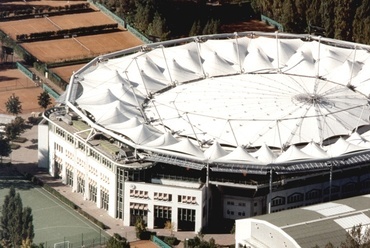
<point x="5" y="148"/>
<point x="16" y="223"/>
<point x="139" y="226"/>
<point x="116" y="241"/>
<point x="44" y="100"/>
<point x="143" y="16"/>
<point x="196" y="29"/>
<point x="27" y="224"/>
<point x="13" y="105"/>
<point x="199" y="242"/>
<point x="14" y="128"/>
<point x="158" y="27"/>
<point x="357" y="237"/>
<point x="212" y="27"/>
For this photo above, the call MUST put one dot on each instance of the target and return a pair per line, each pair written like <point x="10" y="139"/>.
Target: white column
<point x="74" y="187"/>
<point x="112" y="194"/>
<point x="174" y="219"/>
<point x="126" y="205"/>
<point x="150" y="216"/>
<point x="198" y="219"/>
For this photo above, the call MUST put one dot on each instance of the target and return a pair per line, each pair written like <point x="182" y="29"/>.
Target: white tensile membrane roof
<point x="245" y="93"/>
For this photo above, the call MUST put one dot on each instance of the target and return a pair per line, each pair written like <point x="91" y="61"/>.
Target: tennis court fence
<point x="86" y="240"/>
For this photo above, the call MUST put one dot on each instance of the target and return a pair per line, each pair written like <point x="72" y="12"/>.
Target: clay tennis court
<point x="43" y="2"/>
<point x="14" y="81"/>
<point x="54" y="23"/>
<point x="65" y="72"/>
<point x="81" y="47"/>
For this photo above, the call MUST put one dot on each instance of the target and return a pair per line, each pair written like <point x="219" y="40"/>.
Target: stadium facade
<point x="228" y="125"/>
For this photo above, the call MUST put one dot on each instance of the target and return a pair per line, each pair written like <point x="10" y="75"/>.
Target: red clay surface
<point x="65" y="72"/>
<point x="43" y="2"/>
<point x="143" y="244"/>
<point x="81" y="47"/>
<point x="54" y="23"/>
<point x="14" y="81"/>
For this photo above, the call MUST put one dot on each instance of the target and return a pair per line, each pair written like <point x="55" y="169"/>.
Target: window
<point x="313" y="194"/>
<point x="81" y="185"/>
<point x="187" y="199"/>
<point x="69" y="177"/>
<point x="70" y="138"/>
<point x="349" y="187"/>
<point x="138" y="209"/>
<point x="185" y="214"/>
<point x="60" y="132"/>
<point x="277" y="201"/>
<point x="81" y="145"/>
<point x="104" y="199"/>
<point x="93" y="193"/>
<point x="295" y="197"/>
<point x="162" y="212"/>
<point x="334" y="189"/>
<point x="139" y="194"/>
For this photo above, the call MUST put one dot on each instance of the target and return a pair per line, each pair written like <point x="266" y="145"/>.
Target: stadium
<point x="232" y="125"/>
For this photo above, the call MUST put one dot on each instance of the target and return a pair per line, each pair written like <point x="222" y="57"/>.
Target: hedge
<point x="80" y="31"/>
<point x="14" y="14"/>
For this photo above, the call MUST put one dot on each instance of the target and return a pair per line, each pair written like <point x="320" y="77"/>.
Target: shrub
<point x="14" y="146"/>
<point x="20" y="139"/>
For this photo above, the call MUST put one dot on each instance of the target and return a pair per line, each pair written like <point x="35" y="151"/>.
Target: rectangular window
<point x="69" y="177"/>
<point x="80" y="185"/>
<point x="93" y="193"/>
<point x="104" y="199"/>
<point x="185" y="214"/>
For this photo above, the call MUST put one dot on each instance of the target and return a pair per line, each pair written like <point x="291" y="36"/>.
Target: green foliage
<point x="143" y="16"/>
<point x="5" y="148"/>
<point x="158" y="27"/>
<point x="196" y="29"/>
<point x="170" y="240"/>
<point x="46" y="35"/>
<point x="339" y="19"/>
<point x="176" y="17"/>
<point x="232" y="231"/>
<point x="361" y="22"/>
<point x="44" y="100"/>
<point x="199" y="242"/>
<point x="116" y="241"/>
<point x="16" y="13"/>
<point x="14" y="128"/>
<point x="212" y="27"/>
<point x="357" y="237"/>
<point x="13" y="105"/>
<point x="16" y="223"/>
<point x="140" y="226"/>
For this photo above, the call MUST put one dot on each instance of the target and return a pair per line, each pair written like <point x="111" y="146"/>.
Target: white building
<point x="230" y="125"/>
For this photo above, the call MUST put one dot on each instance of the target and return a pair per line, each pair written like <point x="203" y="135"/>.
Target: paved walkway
<point x="26" y="158"/>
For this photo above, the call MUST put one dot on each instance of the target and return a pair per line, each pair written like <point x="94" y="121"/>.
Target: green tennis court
<point x="56" y="225"/>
